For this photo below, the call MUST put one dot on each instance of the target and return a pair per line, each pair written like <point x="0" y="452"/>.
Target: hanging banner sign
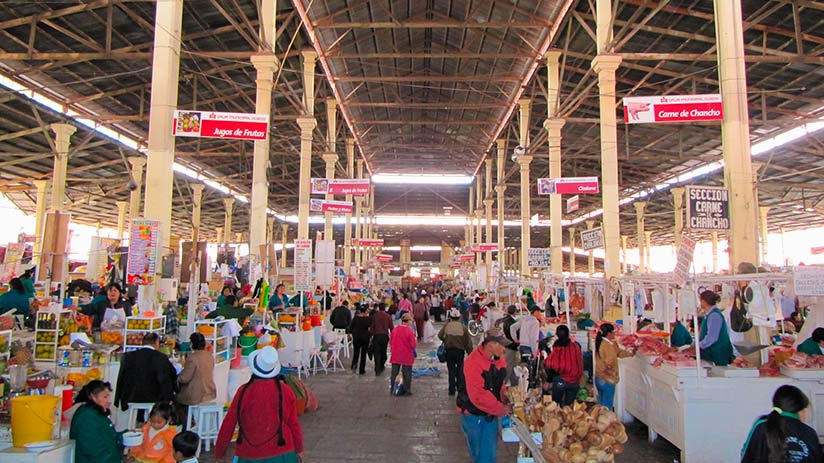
<point x="144" y="244"/>
<point x="370" y="243"/>
<point x="383" y="257"/>
<point x="538" y="257"/>
<point x="684" y="262"/>
<point x="388" y="268"/>
<point x="808" y="281"/>
<point x="340" y="186"/>
<point x="454" y="266"/>
<point x="592" y="239"/>
<point x="568" y="186"/>
<point x="303" y="265"/>
<point x="708" y="208"/>
<point x="466" y="258"/>
<point x="672" y="108"/>
<point x="211" y="124"/>
<point x="487" y="247"/>
<point x="817" y="250"/>
<point x="322" y="205"/>
<point x="573" y="203"/>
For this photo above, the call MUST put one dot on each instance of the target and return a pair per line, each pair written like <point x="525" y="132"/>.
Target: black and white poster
<point x="708" y="208"/>
<point x="592" y="239"/>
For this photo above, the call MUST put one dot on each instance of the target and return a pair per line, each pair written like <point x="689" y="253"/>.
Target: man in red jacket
<point x="482" y="401"/>
<point x="382" y="325"/>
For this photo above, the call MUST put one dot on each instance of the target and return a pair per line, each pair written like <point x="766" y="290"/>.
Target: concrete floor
<point x="359" y="421"/>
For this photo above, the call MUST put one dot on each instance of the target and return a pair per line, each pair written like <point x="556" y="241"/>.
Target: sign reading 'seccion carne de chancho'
<point x="708" y="208"/>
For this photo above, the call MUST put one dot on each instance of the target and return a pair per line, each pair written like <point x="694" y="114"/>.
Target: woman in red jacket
<point x="567" y="363"/>
<point x="264" y="411"/>
<point x="402" y="342"/>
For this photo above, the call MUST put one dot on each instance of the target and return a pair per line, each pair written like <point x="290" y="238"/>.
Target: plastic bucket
<point x="32" y="418"/>
<point x="247" y="344"/>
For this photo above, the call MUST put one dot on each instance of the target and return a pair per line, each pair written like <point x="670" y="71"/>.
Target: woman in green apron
<point x="715" y="339"/>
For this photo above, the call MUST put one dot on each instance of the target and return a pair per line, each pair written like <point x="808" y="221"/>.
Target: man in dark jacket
<point x="381" y="327"/>
<point x="511" y="354"/>
<point x="341" y="317"/>
<point x="146" y="376"/>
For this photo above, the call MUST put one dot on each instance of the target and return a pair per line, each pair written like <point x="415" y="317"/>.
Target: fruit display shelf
<point x="137" y="327"/>
<point x="5" y="346"/>
<point x="219" y="345"/>
<point x="47" y="333"/>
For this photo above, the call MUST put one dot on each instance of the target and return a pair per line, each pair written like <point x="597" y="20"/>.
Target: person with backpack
<point x="264" y="411"/>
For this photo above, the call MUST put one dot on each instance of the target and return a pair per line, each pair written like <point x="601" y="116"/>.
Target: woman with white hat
<point x="265" y="414"/>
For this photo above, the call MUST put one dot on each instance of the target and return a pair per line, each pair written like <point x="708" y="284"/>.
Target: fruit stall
<point x="47" y="337"/>
<point x="137" y="327"/>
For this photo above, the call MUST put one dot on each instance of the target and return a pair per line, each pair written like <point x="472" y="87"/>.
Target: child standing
<point x="157" y="437"/>
<point x="185" y="445"/>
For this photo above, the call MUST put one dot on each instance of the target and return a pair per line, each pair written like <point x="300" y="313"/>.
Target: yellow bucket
<point x="32" y="418"/>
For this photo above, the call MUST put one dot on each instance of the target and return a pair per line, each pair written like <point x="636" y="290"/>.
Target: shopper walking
<point x="402" y="342"/>
<point x="607" y="353"/>
<point x="264" y="411"/>
<point x="421" y="315"/>
<point x="457" y="340"/>
<point x="527" y="332"/>
<point x="511" y="352"/>
<point x="482" y="402"/>
<point x="781" y="435"/>
<point x="382" y="325"/>
<point x="341" y="317"/>
<point x="567" y="363"/>
<point x="359" y="329"/>
<point x="437" y="309"/>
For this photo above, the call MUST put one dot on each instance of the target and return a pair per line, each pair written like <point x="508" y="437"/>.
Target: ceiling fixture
<point x="518" y="152"/>
<point x="422" y="179"/>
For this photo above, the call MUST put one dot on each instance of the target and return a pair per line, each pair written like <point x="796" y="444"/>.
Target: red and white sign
<point x="370" y="243"/>
<point x="573" y="203"/>
<point x="673" y="108"/>
<point x="466" y="258"/>
<point x="211" y="124"/>
<point x="388" y="268"/>
<point x="340" y="186"/>
<point x="383" y="257"/>
<point x="454" y="266"/>
<point x="817" y="250"/>
<point x="321" y="205"/>
<point x="487" y="247"/>
<point x="568" y="186"/>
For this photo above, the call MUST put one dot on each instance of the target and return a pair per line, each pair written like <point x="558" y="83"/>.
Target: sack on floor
<point x="399" y="389"/>
<point x="429" y="333"/>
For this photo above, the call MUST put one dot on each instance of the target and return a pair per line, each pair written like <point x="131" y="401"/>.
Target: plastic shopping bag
<point x="429" y="333"/>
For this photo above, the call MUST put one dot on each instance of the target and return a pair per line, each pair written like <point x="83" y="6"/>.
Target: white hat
<point x="453" y="313"/>
<point x="264" y="362"/>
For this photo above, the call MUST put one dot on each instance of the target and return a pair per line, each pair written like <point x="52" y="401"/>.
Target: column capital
<point x="606" y="62"/>
<point x="307" y="124"/>
<point x="488" y="162"/>
<point x="648" y="234"/>
<point x="285" y="228"/>
<point x="524" y="161"/>
<point x="137" y="162"/>
<point x="678" y="196"/>
<point x="479" y="213"/>
<point x="501" y="143"/>
<point x="264" y="62"/>
<point x="500" y="189"/>
<point x="309" y="55"/>
<point x="590" y="224"/>
<point x="229" y="202"/>
<point x="197" y="188"/>
<point x="524" y="102"/>
<point x="62" y="130"/>
<point x="121" y="205"/>
<point x="330" y="158"/>
<point x="640" y="206"/>
<point x="571" y="230"/>
<point x="331" y="103"/>
<point x="764" y="209"/>
<point x="554" y="124"/>
<point x="489" y="202"/>
<point x="40" y="184"/>
<point x="553" y="56"/>
<point x="359" y="200"/>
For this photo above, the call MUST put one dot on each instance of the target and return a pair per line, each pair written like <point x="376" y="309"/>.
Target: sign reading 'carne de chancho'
<point x="708" y="208"/>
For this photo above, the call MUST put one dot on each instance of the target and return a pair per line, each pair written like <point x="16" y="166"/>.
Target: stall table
<point x="63" y="452"/>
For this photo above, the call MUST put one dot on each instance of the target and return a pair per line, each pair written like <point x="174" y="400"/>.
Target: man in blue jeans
<point x="482" y="401"/>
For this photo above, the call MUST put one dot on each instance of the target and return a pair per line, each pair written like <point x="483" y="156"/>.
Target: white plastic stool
<point x="333" y="361"/>
<point x="205" y="419"/>
<point x="301" y="363"/>
<point x="136" y="407"/>
<point x="316" y="361"/>
<point x="345" y="340"/>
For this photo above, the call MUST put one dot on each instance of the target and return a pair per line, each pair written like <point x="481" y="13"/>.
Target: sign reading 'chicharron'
<point x="708" y="208"/>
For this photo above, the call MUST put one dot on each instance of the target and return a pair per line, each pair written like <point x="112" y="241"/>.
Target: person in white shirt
<point x="527" y="331"/>
<point x="437" y="310"/>
<point x="491" y="316"/>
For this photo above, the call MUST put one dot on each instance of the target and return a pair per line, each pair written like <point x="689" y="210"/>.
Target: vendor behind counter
<point x="15" y="298"/>
<point x="114" y="300"/>
<point x="814" y="345"/>
<point x="230" y="310"/>
<point x="714" y="341"/>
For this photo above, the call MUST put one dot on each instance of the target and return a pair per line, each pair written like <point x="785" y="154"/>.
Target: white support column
<point x="488" y="202"/>
<point x="39" y="215"/>
<point x="500" y="188"/>
<point x="359" y="219"/>
<point x="165" y="81"/>
<point x="227" y="220"/>
<point x="270" y="229"/>
<point x="624" y="239"/>
<point x="122" y="207"/>
<point x="347" y="236"/>
<point x="591" y="260"/>
<point x="640" y="206"/>
<point x="137" y="164"/>
<point x="265" y="66"/>
<point x="524" y="161"/>
<point x="197" y="205"/>
<point x="648" y="249"/>
<point x="735" y="133"/>
<point x="284" y="237"/>
<point x="553" y="126"/>
<point x="62" y="138"/>
<point x="678" y="205"/>
<point x="470" y="217"/>
<point x="310" y="58"/>
<point x="714" y="237"/>
<point x="330" y="158"/>
<point x="220" y="235"/>
<point x="765" y="210"/>
<point x="307" y="126"/>
<point x="572" y="254"/>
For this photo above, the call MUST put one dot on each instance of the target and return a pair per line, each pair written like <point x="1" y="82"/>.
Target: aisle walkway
<point x="358" y="421"/>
